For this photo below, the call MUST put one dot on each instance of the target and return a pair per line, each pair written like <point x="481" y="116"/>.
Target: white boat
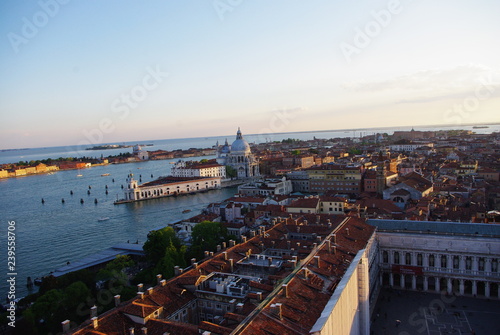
<point x="79" y="175"/>
<point x="103" y="219"/>
<point x="105" y="174"/>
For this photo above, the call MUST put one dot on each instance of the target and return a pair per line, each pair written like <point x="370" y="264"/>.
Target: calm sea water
<point x="51" y="234"/>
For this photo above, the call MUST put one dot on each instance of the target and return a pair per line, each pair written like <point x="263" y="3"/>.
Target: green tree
<point x="208" y="235"/>
<point x="75" y="294"/>
<point x="295" y="152"/>
<point x="204" y="160"/>
<point x="231" y="172"/>
<point x="173" y="256"/>
<point x="157" y="243"/>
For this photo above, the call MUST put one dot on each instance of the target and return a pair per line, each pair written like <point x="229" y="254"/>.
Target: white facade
<point x="456" y="261"/>
<point x="168" y="186"/>
<point x="267" y="187"/>
<point x="181" y="169"/>
<point x="409" y="147"/>
<point x="239" y="156"/>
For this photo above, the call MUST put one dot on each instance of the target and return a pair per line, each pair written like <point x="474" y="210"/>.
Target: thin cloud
<point x="451" y="79"/>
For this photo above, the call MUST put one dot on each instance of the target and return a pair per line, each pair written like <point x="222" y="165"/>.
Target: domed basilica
<point x="238" y="156"/>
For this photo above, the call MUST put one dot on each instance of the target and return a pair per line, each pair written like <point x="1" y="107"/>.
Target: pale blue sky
<point x="267" y="66"/>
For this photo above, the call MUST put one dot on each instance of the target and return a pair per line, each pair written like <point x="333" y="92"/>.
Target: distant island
<point x="115" y="146"/>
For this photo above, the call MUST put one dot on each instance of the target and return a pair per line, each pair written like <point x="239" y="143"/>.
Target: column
<point x="487" y="265"/>
<point x="425" y="260"/>
<point x="402" y="281"/>
<point x="475" y="264"/>
<point x="413" y="282"/>
<point x="462" y="264"/>
<point x="391" y="280"/>
<point x="449" y="288"/>
<point x="462" y="287"/>
<point x="487" y="289"/>
<point x="474" y="288"/>
<point x="426" y="284"/>
<point x="437" y="284"/>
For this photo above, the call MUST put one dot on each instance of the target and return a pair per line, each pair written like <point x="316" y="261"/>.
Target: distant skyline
<point x="94" y="72"/>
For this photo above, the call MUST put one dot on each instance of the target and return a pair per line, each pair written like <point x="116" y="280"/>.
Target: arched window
<point x="431" y="261"/>
<point x="398" y="199"/>
<point x="456" y="262"/>
<point x="419" y="259"/>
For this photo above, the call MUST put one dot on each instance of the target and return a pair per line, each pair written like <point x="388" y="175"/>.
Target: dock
<point x="100" y="258"/>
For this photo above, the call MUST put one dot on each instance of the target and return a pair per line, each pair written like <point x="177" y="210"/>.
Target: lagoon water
<point x="51" y="234"/>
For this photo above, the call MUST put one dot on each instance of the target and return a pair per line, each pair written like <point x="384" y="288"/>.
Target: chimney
<point x="252" y="233"/>
<point x="318" y="238"/>
<point x="259" y="296"/>
<point x="272" y="244"/>
<point x="131" y="331"/>
<point x="232" y="243"/>
<point x="305" y="222"/>
<point x="285" y="290"/>
<point x="177" y="270"/>
<point x="249" y="252"/>
<point x="207" y="253"/>
<point x="334" y="250"/>
<point x="224" y="255"/>
<point x="239" y="307"/>
<point x="117" y="300"/>
<point x="95" y="322"/>
<point x="219" y="247"/>
<point x="193" y="260"/>
<point x="65" y="326"/>
<point x="93" y="311"/>
<point x="224" y="245"/>
<point x="231" y="263"/>
<point x="334" y="238"/>
<point x="347" y="231"/>
<point x="150" y="290"/>
<point x="316" y="261"/>
<point x="329" y="246"/>
<point x="211" y="254"/>
<point x="276" y="308"/>
<point x="144" y="331"/>
<point x="318" y="218"/>
<point x="270" y="260"/>
<point x="315" y="245"/>
<point x="163" y="282"/>
<point x="139" y="287"/>
<point x="140" y="295"/>
<point x="243" y="238"/>
<point x="158" y="279"/>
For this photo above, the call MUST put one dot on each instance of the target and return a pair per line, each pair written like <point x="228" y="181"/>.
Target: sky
<point x="78" y="72"/>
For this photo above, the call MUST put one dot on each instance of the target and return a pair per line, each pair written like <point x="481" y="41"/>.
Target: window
<point x="468" y="263"/>
<point x="431" y="261"/>
<point x="481" y="264"/>
<point x="456" y="262"/>
<point x="408" y="258"/>
<point x="396" y="257"/>
<point x="419" y="259"/>
<point x="444" y="262"/>
<point x="385" y="257"/>
<point x="494" y="265"/>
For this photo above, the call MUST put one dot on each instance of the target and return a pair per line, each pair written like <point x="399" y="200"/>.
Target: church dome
<point x="240" y="145"/>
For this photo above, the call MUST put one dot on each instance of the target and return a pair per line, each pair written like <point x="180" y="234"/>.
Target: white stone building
<point x="459" y="258"/>
<point x="239" y="156"/>
<point x="267" y="187"/>
<point x="189" y="169"/>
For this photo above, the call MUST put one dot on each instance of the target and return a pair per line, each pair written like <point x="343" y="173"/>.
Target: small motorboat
<point x="186" y="211"/>
<point x="105" y="174"/>
<point x="103" y="219"/>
